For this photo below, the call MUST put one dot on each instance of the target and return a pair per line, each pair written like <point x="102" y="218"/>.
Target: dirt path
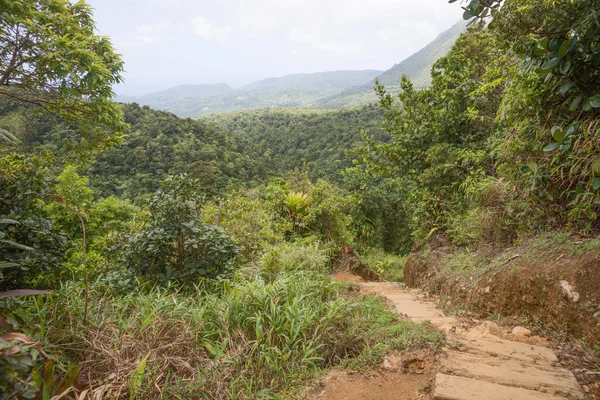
<point x="479" y="363"/>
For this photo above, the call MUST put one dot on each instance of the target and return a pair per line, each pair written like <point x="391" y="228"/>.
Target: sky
<point x="165" y="43"/>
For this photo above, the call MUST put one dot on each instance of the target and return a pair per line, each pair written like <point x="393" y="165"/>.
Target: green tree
<point x="174" y="242"/>
<point x="51" y="58"/>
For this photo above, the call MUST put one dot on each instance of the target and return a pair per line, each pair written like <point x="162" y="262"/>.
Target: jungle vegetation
<point x="137" y="247"/>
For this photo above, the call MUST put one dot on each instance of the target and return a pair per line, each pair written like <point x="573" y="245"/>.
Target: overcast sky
<point x="170" y="42"/>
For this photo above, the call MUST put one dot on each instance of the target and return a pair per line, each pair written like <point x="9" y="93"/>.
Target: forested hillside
<point x="292" y="139"/>
<point x="144" y="255"/>
<point x="157" y="145"/>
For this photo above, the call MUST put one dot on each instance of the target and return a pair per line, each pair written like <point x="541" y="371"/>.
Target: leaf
<point x="23" y="292"/>
<point x="570" y="131"/>
<point x="576" y="102"/>
<point x="565" y="66"/>
<point x="551" y="63"/>
<point x="558" y="134"/>
<point x="8" y="265"/>
<point x="596" y="184"/>
<point x="595" y="101"/>
<point x="566" y="87"/>
<point x="587" y="105"/>
<point x="8" y="221"/>
<point x="137" y="379"/>
<point x="555" y="44"/>
<point x="567" y="46"/>
<point x="532" y="166"/>
<point x="551" y="147"/>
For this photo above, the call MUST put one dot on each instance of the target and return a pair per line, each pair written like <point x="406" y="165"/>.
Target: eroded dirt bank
<point x="554" y="287"/>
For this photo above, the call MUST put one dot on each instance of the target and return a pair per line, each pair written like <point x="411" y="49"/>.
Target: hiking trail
<point x="478" y="363"/>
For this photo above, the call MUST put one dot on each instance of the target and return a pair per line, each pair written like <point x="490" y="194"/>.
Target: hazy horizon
<point x="174" y="42"/>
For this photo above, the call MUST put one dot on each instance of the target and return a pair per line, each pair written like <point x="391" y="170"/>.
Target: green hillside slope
<point x="291" y="138"/>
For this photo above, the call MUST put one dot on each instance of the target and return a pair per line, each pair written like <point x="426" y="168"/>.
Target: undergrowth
<point x="245" y="339"/>
<point x="389" y="266"/>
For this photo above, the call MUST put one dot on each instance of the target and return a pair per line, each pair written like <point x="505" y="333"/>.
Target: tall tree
<point x="52" y="58"/>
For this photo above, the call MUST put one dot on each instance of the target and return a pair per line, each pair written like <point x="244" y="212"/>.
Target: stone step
<point x="448" y="387"/>
<point x="512" y="372"/>
<point x="495" y="346"/>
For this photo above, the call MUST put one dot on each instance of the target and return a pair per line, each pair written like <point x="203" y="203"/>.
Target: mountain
<point x="191" y="91"/>
<point x="291" y="91"/>
<point x="417" y="67"/>
<point x="335" y="80"/>
<point x="324" y="90"/>
<point x="170" y="99"/>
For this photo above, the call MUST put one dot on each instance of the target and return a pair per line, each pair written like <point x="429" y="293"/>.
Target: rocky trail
<point x="479" y="362"/>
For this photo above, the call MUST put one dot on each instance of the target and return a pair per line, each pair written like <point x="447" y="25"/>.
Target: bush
<point x="174" y="243"/>
<point x="389" y="266"/>
<point x="247" y="218"/>
<point x="287" y="257"/>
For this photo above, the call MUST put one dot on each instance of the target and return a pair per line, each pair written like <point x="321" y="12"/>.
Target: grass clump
<point x="389" y="266"/>
<point x="245" y="339"/>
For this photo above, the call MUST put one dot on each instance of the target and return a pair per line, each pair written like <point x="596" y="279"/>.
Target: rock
<point x="520" y="331"/>
<point x="486" y="328"/>
<point x="586" y="388"/>
<point x="597" y="315"/>
<point x="387" y="364"/>
<point x="487" y="289"/>
<point x="569" y="292"/>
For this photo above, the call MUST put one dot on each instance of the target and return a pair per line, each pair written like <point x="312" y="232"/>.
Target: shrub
<point x="247" y="218"/>
<point x="174" y="243"/>
<point x="299" y="256"/>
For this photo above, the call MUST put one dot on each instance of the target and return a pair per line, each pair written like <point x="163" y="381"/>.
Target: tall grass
<point x="249" y="339"/>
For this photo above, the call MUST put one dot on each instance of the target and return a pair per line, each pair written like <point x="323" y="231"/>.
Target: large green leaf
<point x="558" y="134"/>
<point x="551" y="147"/>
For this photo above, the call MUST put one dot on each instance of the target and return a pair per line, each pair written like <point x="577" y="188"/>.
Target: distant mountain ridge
<point x="417" y="67"/>
<point x="324" y="90"/>
<point x="291" y="91"/>
<point x="313" y="81"/>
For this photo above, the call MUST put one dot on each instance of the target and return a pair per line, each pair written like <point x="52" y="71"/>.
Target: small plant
<point x="296" y="205"/>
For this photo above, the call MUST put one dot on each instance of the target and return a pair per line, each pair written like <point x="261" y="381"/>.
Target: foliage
<point x="471" y="154"/>
<point x="390" y="267"/>
<point x="296" y="206"/>
<point x="24" y="187"/>
<point x="309" y="255"/>
<point x="173" y="241"/>
<point x="291" y="139"/>
<point x="253" y="338"/>
<point x="247" y="218"/>
<point x="51" y="57"/>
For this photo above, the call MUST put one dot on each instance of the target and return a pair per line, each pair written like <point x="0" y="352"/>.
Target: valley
<point x="431" y="231"/>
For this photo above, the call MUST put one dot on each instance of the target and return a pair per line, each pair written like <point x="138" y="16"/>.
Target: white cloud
<point x="160" y="27"/>
<point x="203" y="28"/>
